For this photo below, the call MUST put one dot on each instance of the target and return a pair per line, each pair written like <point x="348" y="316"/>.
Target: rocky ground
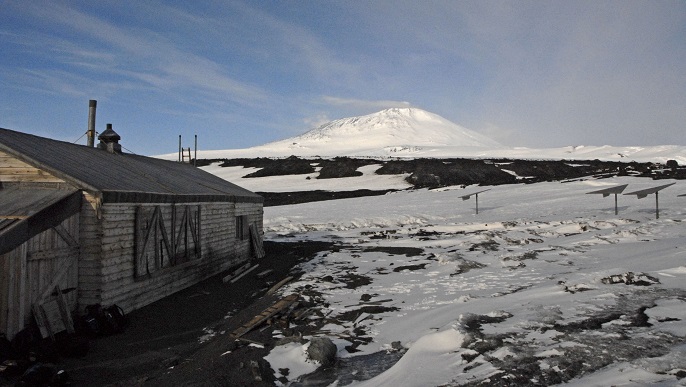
<point x="435" y="173"/>
<point x="184" y="339"/>
<point x="179" y="341"/>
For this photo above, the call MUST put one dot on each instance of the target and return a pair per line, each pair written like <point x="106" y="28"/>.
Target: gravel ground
<point x="183" y="340"/>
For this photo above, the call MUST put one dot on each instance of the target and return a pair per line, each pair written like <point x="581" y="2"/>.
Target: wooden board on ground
<point x="236" y="273"/>
<point x="278" y="285"/>
<point x="265" y="315"/>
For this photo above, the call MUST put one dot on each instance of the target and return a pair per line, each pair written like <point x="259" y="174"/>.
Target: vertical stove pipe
<point x="91" y="122"/>
<point x="179" y="148"/>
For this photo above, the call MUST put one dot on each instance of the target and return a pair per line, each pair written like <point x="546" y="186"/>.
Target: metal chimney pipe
<point x="195" y="158"/>
<point x="179" y="148"/>
<point x="92" y="104"/>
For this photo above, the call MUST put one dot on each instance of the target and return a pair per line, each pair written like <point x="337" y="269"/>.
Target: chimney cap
<point x="109" y="135"/>
<point x="109" y="140"/>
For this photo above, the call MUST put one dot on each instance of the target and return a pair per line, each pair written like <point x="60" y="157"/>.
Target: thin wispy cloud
<point x="144" y="55"/>
<point x="364" y="104"/>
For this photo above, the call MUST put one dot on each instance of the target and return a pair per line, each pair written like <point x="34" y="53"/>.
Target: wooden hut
<point x="103" y="227"/>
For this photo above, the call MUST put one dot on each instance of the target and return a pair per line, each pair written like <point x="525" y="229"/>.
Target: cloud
<point x="536" y="73"/>
<point x="139" y="54"/>
<point x="344" y="107"/>
<point x="364" y="104"/>
<point x="317" y="121"/>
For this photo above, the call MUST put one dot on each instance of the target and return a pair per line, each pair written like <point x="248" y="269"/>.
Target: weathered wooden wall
<point x="31" y="271"/>
<point x="255" y="214"/>
<point x="90" y="263"/>
<point x="94" y="252"/>
<point x="121" y="282"/>
<point x="14" y="170"/>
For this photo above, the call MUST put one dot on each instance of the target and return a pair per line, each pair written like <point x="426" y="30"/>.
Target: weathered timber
<point x="265" y="315"/>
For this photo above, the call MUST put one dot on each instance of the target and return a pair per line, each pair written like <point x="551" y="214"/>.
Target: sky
<point x="243" y="73"/>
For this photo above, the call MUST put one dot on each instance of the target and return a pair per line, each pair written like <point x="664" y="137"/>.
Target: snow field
<point x="522" y="291"/>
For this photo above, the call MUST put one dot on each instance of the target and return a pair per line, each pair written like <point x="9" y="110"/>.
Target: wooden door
<point x="166" y="236"/>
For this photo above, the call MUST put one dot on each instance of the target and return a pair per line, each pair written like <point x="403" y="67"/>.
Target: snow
<point x="545" y="285"/>
<point x="308" y="182"/>
<point x="293" y="357"/>
<point x="533" y="263"/>
<point x="428" y="362"/>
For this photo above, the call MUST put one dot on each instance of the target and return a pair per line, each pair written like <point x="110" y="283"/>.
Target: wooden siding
<point x="90" y="263"/>
<point x="15" y="170"/>
<point x="165" y="236"/>
<point x="121" y="283"/>
<point x="255" y="216"/>
<point x="30" y="272"/>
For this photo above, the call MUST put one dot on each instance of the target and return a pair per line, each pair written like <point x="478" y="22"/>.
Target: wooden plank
<point x="42" y="322"/>
<point x="4" y="270"/>
<point x="165" y="238"/>
<point x="51" y="318"/>
<point x="23" y="296"/>
<point x="276" y="287"/>
<point x="52" y="254"/>
<point x="244" y="273"/>
<point x="144" y="244"/>
<point x="17" y="295"/>
<point x="182" y="231"/>
<point x="256" y="240"/>
<point x="57" y="277"/>
<point x="65" y="313"/>
<point x="265" y="315"/>
<point x="236" y="273"/>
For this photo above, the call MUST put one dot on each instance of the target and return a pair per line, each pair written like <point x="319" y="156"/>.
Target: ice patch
<point x="425" y="363"/>
<point x="290" y="361"/>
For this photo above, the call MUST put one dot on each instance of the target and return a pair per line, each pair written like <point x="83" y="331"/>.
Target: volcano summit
<point x="409" y="132"/>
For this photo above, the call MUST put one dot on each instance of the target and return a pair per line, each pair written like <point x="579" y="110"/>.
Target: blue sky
<point x="243" y="73"/>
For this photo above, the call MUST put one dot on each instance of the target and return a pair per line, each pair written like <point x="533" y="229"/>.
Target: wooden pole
<point x="616" y="210"/>
<point x="477" y="204"/>
<point x="657" y="206"/>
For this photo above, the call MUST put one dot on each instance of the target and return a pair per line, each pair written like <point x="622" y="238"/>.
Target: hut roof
<point x="120" y="177"/>
<point x="26" y="211"/>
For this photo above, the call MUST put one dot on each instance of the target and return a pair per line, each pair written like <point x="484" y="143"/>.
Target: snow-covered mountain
<point x="396" y="127"/>
<point x="416" y="133"/>
<point x="390" y="132"/>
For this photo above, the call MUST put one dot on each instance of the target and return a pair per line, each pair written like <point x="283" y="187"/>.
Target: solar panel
<point x="465" y="197"/>
<point x="616" y="190"/>
<point x="476" y="195"/>
<point x="611" y="190"/>
<point x="648" y="191"/>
